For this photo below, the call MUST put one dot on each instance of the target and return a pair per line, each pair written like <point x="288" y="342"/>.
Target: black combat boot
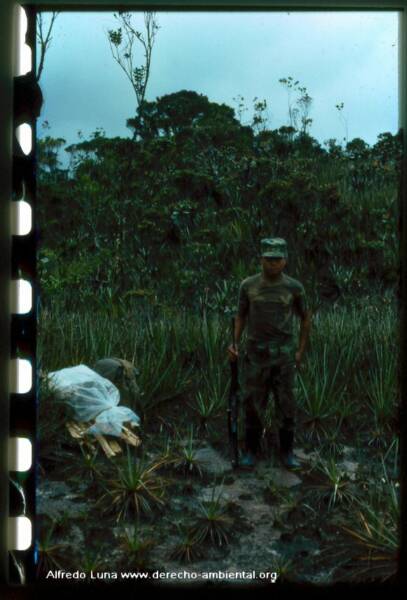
<point x="286" y="450"/>
<point x="248" y="459"/>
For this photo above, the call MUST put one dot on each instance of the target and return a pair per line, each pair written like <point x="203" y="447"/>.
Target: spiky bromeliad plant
<point x="213" y="523"/>
<point x="333" y="485"/>
<point x="87" y="465"/>
<point x="284" y="567"/>
<point x="381" y="390"/>
<point x="374" y="537"/>
<point x="332" y="444"/>
<point x="168" y="454"/>
<point x="207" y="408"/>
<point x="186" y="459"/>
<point x="136" y="547"/>
<point x="162" y="374"/>
<point x="93" y="561"/>
<point x="188" y="548"/>
<point x="137" y="488"/>
<point x="48" y="552"/>
<point x="322" y="391"/>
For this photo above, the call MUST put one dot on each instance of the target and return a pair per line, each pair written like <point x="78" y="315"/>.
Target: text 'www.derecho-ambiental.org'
<point x="165" y="575"/>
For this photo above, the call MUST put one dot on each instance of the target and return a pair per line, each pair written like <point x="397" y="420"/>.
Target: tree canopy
<point x="182" y="206"/>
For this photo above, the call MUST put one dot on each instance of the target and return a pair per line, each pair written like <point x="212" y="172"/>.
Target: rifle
<point x="233" y="406"/>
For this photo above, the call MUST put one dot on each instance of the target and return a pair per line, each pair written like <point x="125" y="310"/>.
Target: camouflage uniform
<point x="123" y="374"/>
<point x="269" y="359"/>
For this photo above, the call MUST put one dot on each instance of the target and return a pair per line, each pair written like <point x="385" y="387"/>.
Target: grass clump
<point x="373" y="535"/>
<point x="333" y="485"/>
<point x="87" y="465"/>
<point x="93" y="562"/>
<point x="321" y="392"/>
<point x="136" y="548"/>
<point x="188" y="548"/>
<point x="49" y="553"/>
<point x="214" y="525"/>
<point x="137" y="489"/>
<point x="186" y="460"/>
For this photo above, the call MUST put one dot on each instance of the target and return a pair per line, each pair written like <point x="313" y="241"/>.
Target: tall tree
<point x="290" y="86"/>
<point x="304" y="103"/>
<point x="123" y="42"/>
<point x="44" y="38"/>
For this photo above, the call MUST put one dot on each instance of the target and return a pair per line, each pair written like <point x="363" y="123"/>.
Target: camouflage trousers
<point x="267" y="367"/>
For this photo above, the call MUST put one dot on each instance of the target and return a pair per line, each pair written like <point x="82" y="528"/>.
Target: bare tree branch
<point x="44" y="38"/>
<point x="123" y="49"/>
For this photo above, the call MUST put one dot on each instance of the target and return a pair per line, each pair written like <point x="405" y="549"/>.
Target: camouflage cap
<point x="274" y="248"/>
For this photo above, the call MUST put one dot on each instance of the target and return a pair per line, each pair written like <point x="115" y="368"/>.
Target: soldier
<point x="123" y="374"/>
<point x="267" y="302"/>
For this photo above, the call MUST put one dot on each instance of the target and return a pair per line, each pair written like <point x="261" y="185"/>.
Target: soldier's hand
<point x="233" y="353"/>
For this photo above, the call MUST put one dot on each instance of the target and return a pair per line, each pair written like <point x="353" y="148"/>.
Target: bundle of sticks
<point x="110" y="446"/>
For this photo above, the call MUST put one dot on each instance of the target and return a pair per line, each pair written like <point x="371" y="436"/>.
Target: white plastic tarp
<point x="92" y="398"/>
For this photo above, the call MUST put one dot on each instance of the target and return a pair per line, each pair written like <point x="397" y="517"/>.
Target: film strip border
<point x="22" y="445"/>
<point x="23" y="397"/>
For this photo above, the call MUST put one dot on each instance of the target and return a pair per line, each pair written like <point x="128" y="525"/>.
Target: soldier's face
<point x="273" y="266"/>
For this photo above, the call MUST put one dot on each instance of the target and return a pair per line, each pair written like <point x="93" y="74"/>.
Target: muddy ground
<point x="280" y="522"/>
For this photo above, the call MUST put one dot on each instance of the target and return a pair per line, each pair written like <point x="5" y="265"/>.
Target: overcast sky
<point x="348" y="57"/>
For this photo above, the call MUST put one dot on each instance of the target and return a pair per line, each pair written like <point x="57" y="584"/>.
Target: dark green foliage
<point x="51" y="430"/>
<point x="154" y="236"/>
<point x="182" y="206"/>
<point x="347" y="383"/>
